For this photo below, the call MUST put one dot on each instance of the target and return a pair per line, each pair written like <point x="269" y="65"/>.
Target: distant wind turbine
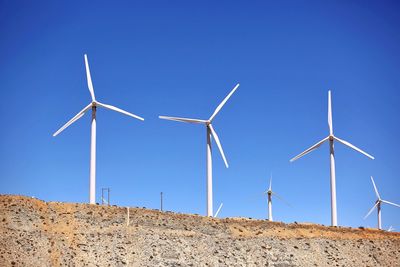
<point x="331" y="138"/>
<point x="378" y="204"/>
<point x="210" y="132"/>
<point x="269" y="193"/>
<point x="93" y="105"/>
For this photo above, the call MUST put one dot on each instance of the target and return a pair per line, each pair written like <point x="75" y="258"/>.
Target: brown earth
<point x="36" y="233"/>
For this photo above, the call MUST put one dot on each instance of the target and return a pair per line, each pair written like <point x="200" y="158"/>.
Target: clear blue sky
<point x="181" y="59"/>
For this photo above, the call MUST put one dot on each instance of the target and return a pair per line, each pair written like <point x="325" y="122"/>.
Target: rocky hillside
<point x="36" y="233"/>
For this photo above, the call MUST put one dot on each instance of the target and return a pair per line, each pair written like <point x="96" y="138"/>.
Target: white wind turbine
<point x="93" y="105"/>
<point x="378" y="204"/>
<point x="331" y="138"/>
<point x="269" y="193"/>
<point x="210" y="132"/>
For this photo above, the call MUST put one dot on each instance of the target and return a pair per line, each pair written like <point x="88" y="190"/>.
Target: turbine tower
<point x="378" y="204"/>
<point x="331" y="138"/>
<point x="269" y="193"/>
<point x="93" y="106"/>
<point x="210" y="132"/>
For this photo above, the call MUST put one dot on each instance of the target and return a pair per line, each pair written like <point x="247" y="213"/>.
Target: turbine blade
<point x="353" y="147"/>
<point x="215" y="136"/>
<point x="255" y="196"/>
<point x="305" y="152"/>
<point x="369" y="212"/>
<point x="376" y="190"/>
<point x="89" y="79"/>
<point x="182" y="119"/>
<point x="220" y="206"/>
<point x="223" y="102"/>
<point x="75" y="118"/>
<point x="281" y="199"/>
<point x="270" y="183"/>
<point x="391" y="203"/>
<point x="330" y="113"/>
<point x="119" y="110"/>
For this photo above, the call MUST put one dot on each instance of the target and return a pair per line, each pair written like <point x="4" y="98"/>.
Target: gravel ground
<point x="36" y="233"/>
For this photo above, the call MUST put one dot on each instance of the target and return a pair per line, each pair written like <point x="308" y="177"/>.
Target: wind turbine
<point x="210" y="132"/>
<point x="378" y="204"/>
<point x="331" y="138"/>
<point x="269" y="193"/>
<point x="92" y="106"/>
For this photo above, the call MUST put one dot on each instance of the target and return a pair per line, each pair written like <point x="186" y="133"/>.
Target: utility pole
<point x="161" y="201"/>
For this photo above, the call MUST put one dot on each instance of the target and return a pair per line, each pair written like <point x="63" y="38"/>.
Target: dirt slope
<point x="36" y="233"/>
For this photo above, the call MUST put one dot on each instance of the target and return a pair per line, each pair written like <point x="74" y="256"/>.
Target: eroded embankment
<point x="36" y="233"/>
